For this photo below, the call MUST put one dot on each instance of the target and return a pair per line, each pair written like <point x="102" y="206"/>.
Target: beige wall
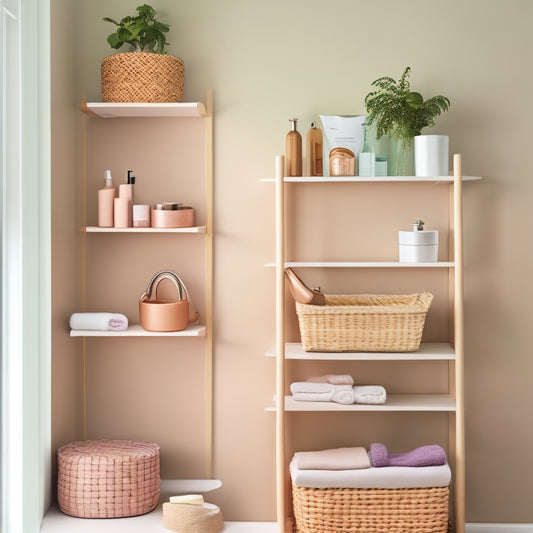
<point x="267" y="62"/>
<point x="67" y="420"/>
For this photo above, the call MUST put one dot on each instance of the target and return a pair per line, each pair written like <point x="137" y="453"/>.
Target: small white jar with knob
<point x="418" y="245"/>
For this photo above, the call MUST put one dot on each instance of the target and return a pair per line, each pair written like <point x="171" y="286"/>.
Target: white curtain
<point x="25" y="264"/>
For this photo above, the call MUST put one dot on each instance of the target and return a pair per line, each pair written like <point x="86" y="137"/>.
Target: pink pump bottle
<point x="106" y="198"/>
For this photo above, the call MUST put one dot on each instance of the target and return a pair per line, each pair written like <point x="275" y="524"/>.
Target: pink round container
<point x="178" y="217"/>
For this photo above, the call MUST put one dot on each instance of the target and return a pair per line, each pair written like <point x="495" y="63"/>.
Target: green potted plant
<point x="146" y="73"/>
<point x="399" y="113"/>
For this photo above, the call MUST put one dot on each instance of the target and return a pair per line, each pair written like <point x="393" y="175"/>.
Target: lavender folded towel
<point x="430" y="455"/>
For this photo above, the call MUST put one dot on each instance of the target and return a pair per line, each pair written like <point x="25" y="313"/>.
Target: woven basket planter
<point x="108" y="478"/>
<point x="423" y="510"/>
<point x="364" y="323"/>
<point x="142" y="77"/>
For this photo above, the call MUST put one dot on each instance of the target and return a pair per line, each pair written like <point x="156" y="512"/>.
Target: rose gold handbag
<point x="157" y="314"/>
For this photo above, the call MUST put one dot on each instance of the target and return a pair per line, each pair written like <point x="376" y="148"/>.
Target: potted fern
<point x="146" y="73"/>
<point x="399" y="113"/>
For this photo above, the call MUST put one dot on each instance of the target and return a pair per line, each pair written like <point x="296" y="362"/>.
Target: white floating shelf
<point x="96" y="229"/>
<point x="135" y="330"/>
<point x="395" y="402"/>
<point x="363" y="264"/>
<point x="134" y="110"/>
<point x="429" y="351"/>
<point x="171" y="487"/>
<point x="370" y="179"/>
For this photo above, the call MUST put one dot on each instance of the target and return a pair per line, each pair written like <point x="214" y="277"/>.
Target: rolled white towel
<point x="99" y="321"/>
<point x="305" y="391"/>
<point x="344" y="394"/>
<point x="370" y="394"/>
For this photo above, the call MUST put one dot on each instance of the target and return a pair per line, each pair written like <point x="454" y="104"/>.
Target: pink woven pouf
<point x="108" y="478"/>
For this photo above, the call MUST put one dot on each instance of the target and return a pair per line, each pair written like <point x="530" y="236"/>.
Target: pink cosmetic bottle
<point x="124" y="203"/>
<point x="106" y="198"/>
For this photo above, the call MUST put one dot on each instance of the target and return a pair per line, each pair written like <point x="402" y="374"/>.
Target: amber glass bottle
<point x="314" y="151"/>
<point x="293" y="151"/>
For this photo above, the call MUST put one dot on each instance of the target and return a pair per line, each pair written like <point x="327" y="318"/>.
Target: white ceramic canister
<point x="431" y="155"/>
<point x="419" y="245"/>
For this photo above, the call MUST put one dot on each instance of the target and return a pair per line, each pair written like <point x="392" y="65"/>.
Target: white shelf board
<point x="135" y="330"/>
<point x="428" y="351"/>
<point x="140" y="110"/>
<point x="96" y="229"/>
<point x="395" y="402"/>
<point x="250" y="527"/>
<point x="370" y="179"/>
<point x="56" y="522"/>
<point x="363" y="264"/>
<point x="171" y="487"/>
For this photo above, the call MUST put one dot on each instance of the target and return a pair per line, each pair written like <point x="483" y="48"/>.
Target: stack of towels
<point x="358" y="457"/>
<point x="357" y="467"/>
<point x="338" y="388"/>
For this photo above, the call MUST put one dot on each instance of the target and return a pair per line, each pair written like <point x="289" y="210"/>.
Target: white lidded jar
<point x="418" y="245"/>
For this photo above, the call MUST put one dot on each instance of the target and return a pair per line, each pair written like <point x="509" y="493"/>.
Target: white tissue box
<point x="419" y="246"/>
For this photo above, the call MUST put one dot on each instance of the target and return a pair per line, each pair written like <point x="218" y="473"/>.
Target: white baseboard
<point x="499" y="528"/>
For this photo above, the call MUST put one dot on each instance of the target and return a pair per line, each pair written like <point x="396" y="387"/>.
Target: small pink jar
<point x="171" y="215"/>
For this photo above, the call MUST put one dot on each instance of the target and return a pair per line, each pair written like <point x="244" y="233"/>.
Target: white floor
<point x="57" y="522"/>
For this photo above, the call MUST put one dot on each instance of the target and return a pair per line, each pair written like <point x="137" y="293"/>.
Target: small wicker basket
<point x="364" y="323"/>
<point x="335" y="510"/>
<point x="142" y="77"/>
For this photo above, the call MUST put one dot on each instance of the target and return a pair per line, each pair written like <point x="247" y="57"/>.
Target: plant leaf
<point x="114" y="41"/>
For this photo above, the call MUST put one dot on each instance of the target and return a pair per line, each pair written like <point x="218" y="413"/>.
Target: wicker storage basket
<point x="423" y="510"/>
<point x="108" y="478"/>
<point x="364" y="323"/>
<point x="142" y="77"/>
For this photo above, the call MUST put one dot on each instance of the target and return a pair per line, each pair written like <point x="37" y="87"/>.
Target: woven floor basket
<point x="364" y="323"/>
<point x="370" y="510"/>
<point x="108" y="478"/>
<point x="142" y="77"/>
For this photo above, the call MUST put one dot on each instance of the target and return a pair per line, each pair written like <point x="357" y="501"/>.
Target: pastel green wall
<point x="269" y="61"/>
<point x="25" y="269"/>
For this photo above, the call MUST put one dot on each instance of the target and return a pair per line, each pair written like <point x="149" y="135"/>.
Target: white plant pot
<point x="431" y="155"/>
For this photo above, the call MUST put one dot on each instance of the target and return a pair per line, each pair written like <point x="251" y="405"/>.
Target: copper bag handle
<point x="173" y="277"/>
<point x="194" y="316"/>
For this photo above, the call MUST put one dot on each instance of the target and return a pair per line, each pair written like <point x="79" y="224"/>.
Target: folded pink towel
<point x="334" y="379"/>
<point x="335" y="459"/>
<point x="430" y="455"/>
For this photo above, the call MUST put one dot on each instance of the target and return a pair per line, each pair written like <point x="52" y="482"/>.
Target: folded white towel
<point x="99" y="321"/>
<point x="387" y="477"/>
<point x="312" y="392"/>
<point x="370" y="394"/>
<point x="306" y="391"/>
